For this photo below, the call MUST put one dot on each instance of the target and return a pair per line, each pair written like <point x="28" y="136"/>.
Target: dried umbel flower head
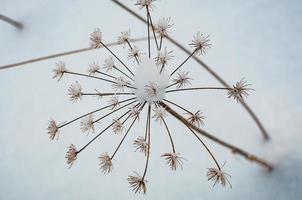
<point x="135" y="53"/>
<point x="96" y="39"/>
<point x="201" y="43"/>
<point x="114" y="102"/>
<point x="75" y="92"/>
<point x="159" y="113"/>
<point x="93" y="68"/>
<point x="163" y="57"/>
<point x="137" y="183"/>
<point x="118" y="126"/>
<point x="87" y="124"/>
<point x="218" y="176"/>
<point x="163" y="25"/>
<point x="106" y="163"/>
<point x="124" y="38"/>
<point x="71" y="155"/>
<point x="151" y="89"/>
<point x="144" y="3"/>
<point x="134" y="112"/>
<point x="120" y="84"/>
<point x="141" y="145"/>
<point x="174" y="160"/>
<point x="182" y="80"/>
<point x="60" y="70"/>
<point x="53" y="129"/>
<point x="239" y="90"/>
<point x="196" y="118"/>
<point x="109" y="64"/>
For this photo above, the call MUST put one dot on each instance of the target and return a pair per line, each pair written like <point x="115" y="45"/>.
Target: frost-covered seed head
<point x="163" y="57"/>
<point x="174" y="160"/>
<point x="151" y="90"/>
<point x="144" y="3"/>
<point x="218" y="176"/>
<point x="106" y="163"/>
<point x="114" y="102"/>
<point x="124" y="38"/>
<point x="134" y="53"/>
<point x="163" y="25"/>
<point x="93" y="68"/>
<point x="239" y="90"/>
<point x="159" y="113"/>
<point x="141" y="145"/>
<point x="53" y="129"/>
<point x="201" y="43"/>
<point x="196" y="118"/>
<point x="137" y="183"/>
<point x="120" y="84"/>
<point x="60" y="70"/>
<point x="96" y="39"/>
<point x="87" y="124"/>
<point x="182" y="80"/>
<point x="118" y="126"/>
<point x="134" y="112"/>
<point x="75" y="92"/>
<point x="109" y="64"/>
<point x="71" y="155"/>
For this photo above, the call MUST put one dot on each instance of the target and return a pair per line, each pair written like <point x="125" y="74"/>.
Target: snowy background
<point x="259" y="40"/>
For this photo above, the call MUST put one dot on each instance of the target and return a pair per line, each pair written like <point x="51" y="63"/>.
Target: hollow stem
<point x="234" y="149"/>
<point x="100" y="109"/>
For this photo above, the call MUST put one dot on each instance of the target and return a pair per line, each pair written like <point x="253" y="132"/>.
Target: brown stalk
<point x="11" y="21"/>
<point x="204" y="65"/>
<point x="234" y="149"/>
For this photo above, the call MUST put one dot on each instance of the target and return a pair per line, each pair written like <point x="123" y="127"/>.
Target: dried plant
<point x="146" y="87"/>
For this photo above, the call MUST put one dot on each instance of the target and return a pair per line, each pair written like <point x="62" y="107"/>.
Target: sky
<point x="259" y="40"/>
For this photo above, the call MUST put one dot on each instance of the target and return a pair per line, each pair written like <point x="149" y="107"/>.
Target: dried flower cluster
<point x="146" y="89"/>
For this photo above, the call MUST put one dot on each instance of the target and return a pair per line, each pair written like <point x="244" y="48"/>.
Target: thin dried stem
<point x="123" y="73"/>
<point x="148" y="29"/>
<point x="130" y="46"/>
<point x="127" y="132"/>
<point x="198" y="88"/>
<point x="169" y="134"/>
<point x="107" y="94"/>
<point x="11" y="21"/>
<point x="108" y="75"/>
<point x="183" y="62"/>
<point x="148" y="152"/>
<point x="61" y="55"/>
<point x="100" y="109"/>
<point x="153" y="29"/>
<point x="234" y="149"/>
<point x="179" y="106"/>
<point x="204" y="65"/>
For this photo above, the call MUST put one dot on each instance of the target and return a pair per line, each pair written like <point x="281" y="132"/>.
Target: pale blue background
<point x="259" y="40"/>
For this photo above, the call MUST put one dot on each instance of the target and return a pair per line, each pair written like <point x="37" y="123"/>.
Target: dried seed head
<point x="200" y="43"/>
<point x="151" y="90"/>
<point x="218" y="176"/>
<point x="75" y="92"/>
<point x="141" y="145"/>
<point x="163" y="57"/>
<point x="87" y="124"/>
<point x="60" y="70"/>
<point x="93" y="68"/>
<point x="53" y="129"/>
<point x="109" y="64"/>
<point x="120" y="84"/>
<point x="114" y="102"/>
<point x="106" y="163"/>
<point x="118" y="126"/>
<point x="137" y="183"/>
<point x="182" y="80"/>
<point x="239" y="90"/>
<point x="144" y="3"/>
<point x="96" y="39"/>
<point x="71" y="155"/>
<point x="159" y="113"/>
<point x="134" y="112"/>
<point x="135" y="53"/>
<point x="163" y="25"/>
<point x="173" y="160"/>
<point x="124" y="38"/>
<point x="196" y="118"/>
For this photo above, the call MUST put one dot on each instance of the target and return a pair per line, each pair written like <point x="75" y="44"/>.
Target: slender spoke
<point x="148" y="152"/>
<point x="183" y="62"/>
<point x="136" y="56"/>
<point x="123" y="72"/>
<point x="11" y="21"/>
<point x="108" y="75"/>
<point x="100" y="109"/>
<point x="107" y="94"/>
<point x="61" y="54"/>
<point x="161" y="42"/>
<point x="113" y="111"/>
<point x="153" y="29"/>
<point x="95" y="77"/>
<point x="148" y="27"/>
<point x="234" y="149"/>
<point x="177" y="105"/>
<point x="198" y="88"/>
<point x="169" y="134"/>
<point x="127" y="133"/>
<point x="117" y="58"/>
